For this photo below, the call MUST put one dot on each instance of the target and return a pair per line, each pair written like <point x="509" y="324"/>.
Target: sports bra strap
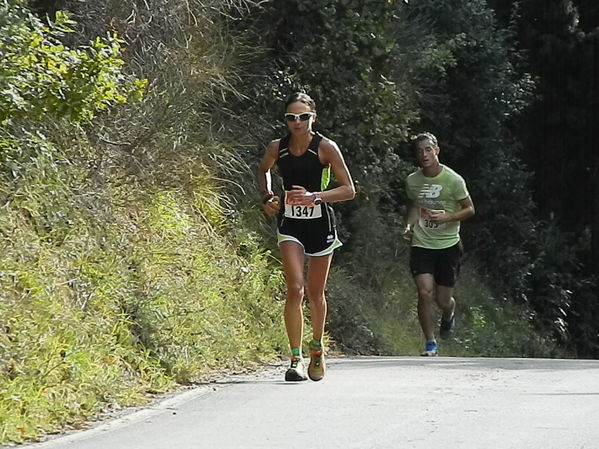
<point x="314" y="143"/>
<point x="284" y="142"/>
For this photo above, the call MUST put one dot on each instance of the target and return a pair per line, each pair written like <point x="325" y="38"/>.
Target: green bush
<point x="105" y="315"/>
<point x="40" y="75"/>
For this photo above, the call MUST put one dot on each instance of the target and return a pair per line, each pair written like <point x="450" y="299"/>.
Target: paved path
<point x="374" y="402"/>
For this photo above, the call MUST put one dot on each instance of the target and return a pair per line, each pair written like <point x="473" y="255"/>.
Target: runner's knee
<point x="316" y="297"/>
<point x="425" y="293"/>
<point x="295" y="292"/>
<point x="444" y="302"/>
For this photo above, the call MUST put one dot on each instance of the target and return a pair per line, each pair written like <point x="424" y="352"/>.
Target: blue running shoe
<point x="430" y="349"/>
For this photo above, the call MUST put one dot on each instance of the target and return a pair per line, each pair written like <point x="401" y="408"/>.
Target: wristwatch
<point x="317" y="198"/>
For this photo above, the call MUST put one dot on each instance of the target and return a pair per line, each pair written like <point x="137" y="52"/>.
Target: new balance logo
<point x="430" y="191"/>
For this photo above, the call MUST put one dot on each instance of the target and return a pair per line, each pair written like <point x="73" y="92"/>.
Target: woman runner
<point x="305" y="223"/>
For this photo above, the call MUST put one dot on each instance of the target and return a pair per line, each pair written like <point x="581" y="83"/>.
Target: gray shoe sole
<point x="430" y="353"/>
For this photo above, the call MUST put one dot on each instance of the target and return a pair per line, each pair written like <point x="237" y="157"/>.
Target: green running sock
<point x="295" y="352"/>
<point x="315" y="345"/>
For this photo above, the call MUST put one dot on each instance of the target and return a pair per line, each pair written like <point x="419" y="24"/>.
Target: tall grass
<point x="123" y="269"/>
<point x="385" y="321"/>
<point x="102" y="312"/>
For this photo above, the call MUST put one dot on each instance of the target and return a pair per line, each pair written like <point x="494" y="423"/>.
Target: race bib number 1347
<point x="302" y="212"/>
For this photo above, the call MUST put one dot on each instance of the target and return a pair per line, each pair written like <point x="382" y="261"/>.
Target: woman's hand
<point x="272" y="206"/>
<point x="298" y="196"/>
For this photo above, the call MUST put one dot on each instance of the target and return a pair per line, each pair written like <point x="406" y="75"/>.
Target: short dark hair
<point x="423" y="136"/>
<point x="301" y="98"/>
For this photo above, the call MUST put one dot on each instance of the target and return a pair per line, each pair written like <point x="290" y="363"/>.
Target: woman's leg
<point x="292" y="254"/>
<point x="318" y="272"/>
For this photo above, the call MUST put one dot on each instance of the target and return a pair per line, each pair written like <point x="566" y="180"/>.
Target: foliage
<point x="558" y="132"/>
<point x="120" y="275"/>
<point x="385" y="321"/>
<point x="563" y="293"/>
<point x="413" y="67"/>
<point x="135" y="253"/>
<point x="480" y="93"/>
<point x="119" y="310"/>
<point x="362" y="66"/>
<point x="40" y="75"/>
<point x="491" y="327"/>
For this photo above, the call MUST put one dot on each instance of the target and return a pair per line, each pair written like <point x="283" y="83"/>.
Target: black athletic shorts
<point x="443" y="264"/>
<point x="317" y="236"/>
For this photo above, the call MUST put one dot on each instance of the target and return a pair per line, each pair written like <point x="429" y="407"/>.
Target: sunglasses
<point x="303" y="117"/>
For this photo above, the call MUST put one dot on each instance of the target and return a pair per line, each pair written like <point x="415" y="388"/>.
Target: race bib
<point x="426" y="222"/>
<point x="302" y="212"/>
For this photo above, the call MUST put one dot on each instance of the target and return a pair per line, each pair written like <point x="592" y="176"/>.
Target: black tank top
<point x="305" y="170"/>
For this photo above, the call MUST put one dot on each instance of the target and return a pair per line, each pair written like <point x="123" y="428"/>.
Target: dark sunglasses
<point x="303" y="117"/>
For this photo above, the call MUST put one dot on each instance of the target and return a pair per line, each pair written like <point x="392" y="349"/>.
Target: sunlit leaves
<point x="39" y="75"/>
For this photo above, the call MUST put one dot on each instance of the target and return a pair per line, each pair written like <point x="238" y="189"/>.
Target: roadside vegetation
<point x="134" y="255"/>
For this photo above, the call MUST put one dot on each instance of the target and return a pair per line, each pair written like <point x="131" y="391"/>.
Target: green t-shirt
<point x="440" y="193"/>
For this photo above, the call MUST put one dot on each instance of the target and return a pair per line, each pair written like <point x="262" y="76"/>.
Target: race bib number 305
<point x="427" y="223"/>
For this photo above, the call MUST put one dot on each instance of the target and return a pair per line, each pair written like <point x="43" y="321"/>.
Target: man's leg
<point x="445" y="301"/>
<point x="425" y="284"/>
<point x="446" y="275"/>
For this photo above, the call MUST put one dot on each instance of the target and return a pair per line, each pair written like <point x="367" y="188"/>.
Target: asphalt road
<point x="374" y="402"/>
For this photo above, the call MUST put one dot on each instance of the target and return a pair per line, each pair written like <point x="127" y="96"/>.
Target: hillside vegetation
<point x="135" y="256"/>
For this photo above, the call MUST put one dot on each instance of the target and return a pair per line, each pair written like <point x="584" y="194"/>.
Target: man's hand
<point x="439" y="216"/>
<point x="407" y="233"/>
